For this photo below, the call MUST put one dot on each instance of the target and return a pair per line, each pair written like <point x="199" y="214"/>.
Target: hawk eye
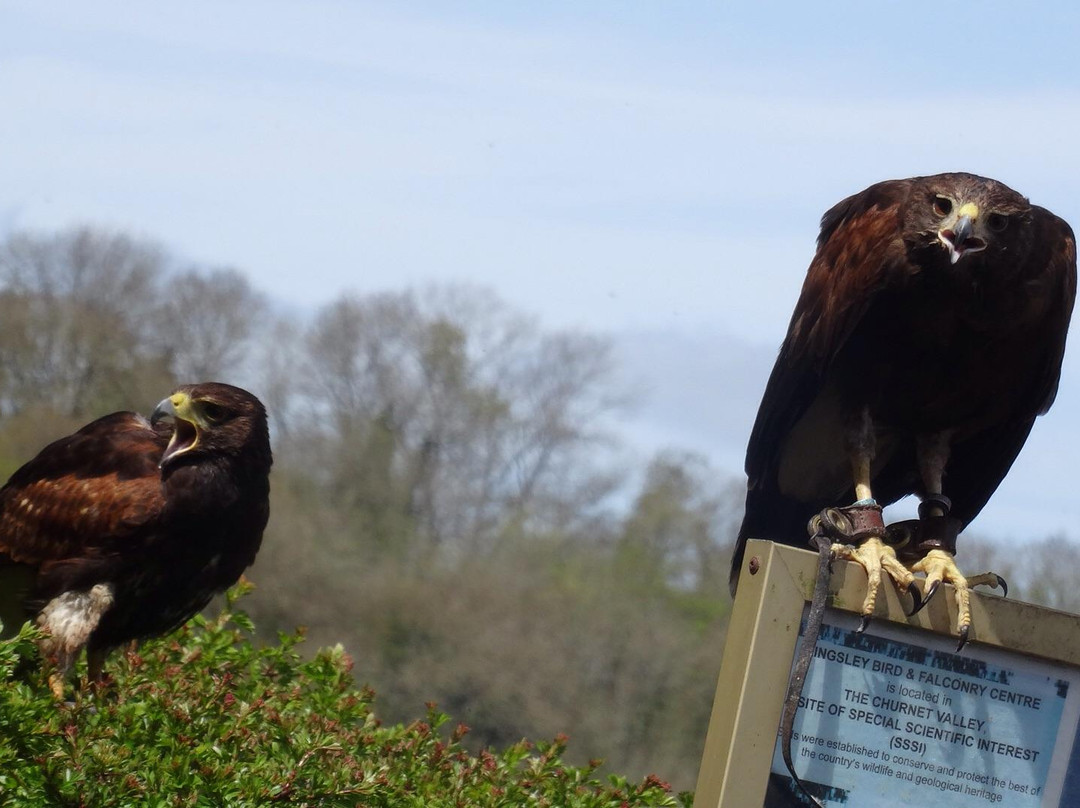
<point x="214" y="413"/>
<point x="997" y="222"/>
<point x="942" y="205"/>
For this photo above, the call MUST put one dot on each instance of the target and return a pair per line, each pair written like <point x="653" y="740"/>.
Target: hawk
<point x="928" y="337"/>
<point x="126" y="528"/>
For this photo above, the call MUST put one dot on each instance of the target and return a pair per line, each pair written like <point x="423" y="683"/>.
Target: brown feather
<point x="94" y="487"/>
<point x="887" y="323"/>
<point x="103" y="510"/>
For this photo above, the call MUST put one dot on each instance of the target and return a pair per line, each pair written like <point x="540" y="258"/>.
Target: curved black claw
<point x="863" y="623"/>
<point x="963" y="639"/>
<point x="916" y="599"/>
<point x="926" y="597"/>
<point x="1003" y="586"/>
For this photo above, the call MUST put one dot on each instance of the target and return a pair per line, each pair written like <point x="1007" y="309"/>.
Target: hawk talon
<point x="963" y="639"/>
<point x="864" y="622"/>
<point x="1004" y="587"/>
<point x="990" y="579"/>
<point x="930" y="592"/>
<point x="917" y="600"/>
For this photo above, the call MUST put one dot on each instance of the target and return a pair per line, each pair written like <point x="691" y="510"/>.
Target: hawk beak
<point x="959" y="239"/>
<point x="164" y="410"/>
<point x="185" y="437"/>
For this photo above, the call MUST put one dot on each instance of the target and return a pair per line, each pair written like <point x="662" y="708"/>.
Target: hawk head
<point x="962" y="215"/>
<point x="212" y="419"/>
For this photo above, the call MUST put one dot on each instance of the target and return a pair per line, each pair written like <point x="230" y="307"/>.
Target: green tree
<point x="680" y="528"/>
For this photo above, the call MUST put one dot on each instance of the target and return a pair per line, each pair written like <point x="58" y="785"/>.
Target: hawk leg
<point x="937" y="532"/>
<point x="95" y="667"/>
<point x="858" y="534"/>
<point x="872" y="551"/>
<point x="67" y="620"/>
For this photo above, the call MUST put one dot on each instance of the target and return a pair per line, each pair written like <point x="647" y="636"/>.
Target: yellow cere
<point x="969" y="209"/>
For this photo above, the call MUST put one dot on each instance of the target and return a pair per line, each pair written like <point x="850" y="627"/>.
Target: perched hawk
<point x="128" y="527"/>
<point x="928" y="336"/>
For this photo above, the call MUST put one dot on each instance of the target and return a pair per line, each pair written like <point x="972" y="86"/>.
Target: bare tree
<point x="78" y="310"/>
<point x="482" y="419"/>
<point x="206" y="323"/>
<point x="277" y="359"/>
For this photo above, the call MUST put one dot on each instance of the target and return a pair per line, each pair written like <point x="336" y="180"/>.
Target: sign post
<point x="892" y="714"/>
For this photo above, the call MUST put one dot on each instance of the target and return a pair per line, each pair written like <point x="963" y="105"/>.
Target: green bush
<point x="206" y="718"/>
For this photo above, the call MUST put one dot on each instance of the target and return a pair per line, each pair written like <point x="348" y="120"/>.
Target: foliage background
<point x="452" y="497"/>
<point x="206" y="718"/>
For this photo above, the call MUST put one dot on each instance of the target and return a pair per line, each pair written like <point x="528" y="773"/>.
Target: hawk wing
<point x="977" y="466"/>
<point x="84" y="492"/>
<point x="859" y="252"/>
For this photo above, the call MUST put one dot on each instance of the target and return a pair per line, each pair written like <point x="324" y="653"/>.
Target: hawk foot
<point x="56" y="685"/>
<point x="876" y="557"/>
<point x="940" y="566"/>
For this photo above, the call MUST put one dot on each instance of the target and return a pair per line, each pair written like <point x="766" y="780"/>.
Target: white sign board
<point x="896" y="717"/>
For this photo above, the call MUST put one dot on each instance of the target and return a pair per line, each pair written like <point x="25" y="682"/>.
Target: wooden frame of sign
<point x="894" y="709"/>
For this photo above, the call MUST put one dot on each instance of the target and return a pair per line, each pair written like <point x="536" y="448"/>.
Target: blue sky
<point x="655" y="171"/>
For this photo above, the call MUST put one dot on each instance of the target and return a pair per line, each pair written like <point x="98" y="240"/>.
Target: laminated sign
<point x="896" y="717"/>
<point x="892" y="716"/>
